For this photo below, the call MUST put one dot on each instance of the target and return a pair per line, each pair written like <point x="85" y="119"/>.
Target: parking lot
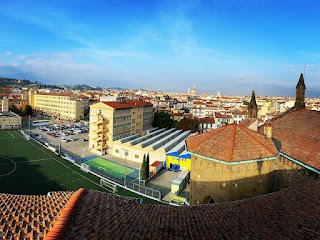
<point x="66" y="137"/>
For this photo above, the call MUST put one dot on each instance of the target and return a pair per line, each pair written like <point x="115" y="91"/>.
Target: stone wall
<point x="290" y="174"/>
<point x="217" y="182"/>
<point x="213" y="182"/>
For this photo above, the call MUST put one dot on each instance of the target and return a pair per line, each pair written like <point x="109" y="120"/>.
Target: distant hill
<point x="19" y="83"/>
<point x="11" y="82"/>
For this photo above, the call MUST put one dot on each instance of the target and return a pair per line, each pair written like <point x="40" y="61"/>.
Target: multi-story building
<point x="60" y="105"/>
<point x="85" y="102"/>
<point x="110" y="121"/>
<point x="18" y="103"/>
<point x="4" y="104"/>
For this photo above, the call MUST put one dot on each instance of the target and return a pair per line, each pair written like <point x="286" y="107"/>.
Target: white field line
<point x="63" y="164"/>
<point x="15" y="166"/>
<point x="10" y="134"/>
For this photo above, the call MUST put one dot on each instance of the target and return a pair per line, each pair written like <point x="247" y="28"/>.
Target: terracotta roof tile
<point x="177" y="114"/>
<point x="290" y="214"/>
<point x="30" y="216"/>
<point x="206" y="120"/>
<point x="128" y="104"/>
<point x="55" y="94"/>
<point x="247" y="122"/>
<point x="299" y="134"/>
<point x="232" y="143"/>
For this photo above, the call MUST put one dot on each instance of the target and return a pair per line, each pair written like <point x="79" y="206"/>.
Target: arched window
<point x="208" y="200"/>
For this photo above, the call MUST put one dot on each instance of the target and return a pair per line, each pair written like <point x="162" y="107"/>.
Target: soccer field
<point x="112" y="168"/>
<point x="28" y="168"/>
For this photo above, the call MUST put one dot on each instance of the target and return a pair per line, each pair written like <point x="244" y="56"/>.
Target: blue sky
<point x="229" y="46"/>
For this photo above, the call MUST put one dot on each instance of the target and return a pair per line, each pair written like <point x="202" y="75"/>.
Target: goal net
<point x="103" y="169"/>
<point x="85" y="167"/>
<point x="108" y="185"/>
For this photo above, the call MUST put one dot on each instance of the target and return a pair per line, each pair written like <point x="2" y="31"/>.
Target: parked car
<point x="65" y="140"/>
<point x="83" y="139"/>
<point x="71" y="139"/>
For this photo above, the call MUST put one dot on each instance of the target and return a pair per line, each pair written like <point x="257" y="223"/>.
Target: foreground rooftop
<point x="289" y="214"/>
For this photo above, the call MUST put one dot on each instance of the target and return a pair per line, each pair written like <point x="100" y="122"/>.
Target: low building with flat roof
<point x="9" y="120"/>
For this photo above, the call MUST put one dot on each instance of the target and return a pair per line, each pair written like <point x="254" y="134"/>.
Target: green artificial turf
<point x="112" y="168"/>
<point x="26" y="167"/>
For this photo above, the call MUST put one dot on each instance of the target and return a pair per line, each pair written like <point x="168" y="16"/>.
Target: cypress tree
<point x="143" y="170"/>
<point x="148" y="167"/>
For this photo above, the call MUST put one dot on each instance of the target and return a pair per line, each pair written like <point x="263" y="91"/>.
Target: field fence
<point x="131" y="181"/>
<point x="144" y="190"/>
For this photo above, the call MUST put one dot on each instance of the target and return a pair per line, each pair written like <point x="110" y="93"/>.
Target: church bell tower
<point x="253" y="107"/>
<point x="300" y="94"/>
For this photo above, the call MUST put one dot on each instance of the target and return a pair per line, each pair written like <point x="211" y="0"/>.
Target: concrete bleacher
<point x="178" y="149"/>
<point x="176" y="141"/>
<point x="155" y="138"/>
<point x="146" y="137"/>
<point x="130" y="138"/>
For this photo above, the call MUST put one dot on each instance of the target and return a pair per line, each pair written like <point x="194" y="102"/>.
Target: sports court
<point x="112" y="168"/>
<point x="26" y="167"/>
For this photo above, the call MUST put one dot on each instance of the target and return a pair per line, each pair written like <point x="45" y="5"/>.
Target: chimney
<point x="268" y="129"/>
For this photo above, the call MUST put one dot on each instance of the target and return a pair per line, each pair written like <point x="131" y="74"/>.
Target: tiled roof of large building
<point x="206" y="120"/>
<point x="247" y="122"/>
<point x="128" y="104"/>
<point x="232" y="143"/>
<point x="30" y="216"/>
<point x="290" y="214"/>
<point x="293" y="213"/>
<point x="299" y="135"/>
<point x="55" y="94"/>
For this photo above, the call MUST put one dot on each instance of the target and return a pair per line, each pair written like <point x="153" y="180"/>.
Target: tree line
<point x="163" y="120"/>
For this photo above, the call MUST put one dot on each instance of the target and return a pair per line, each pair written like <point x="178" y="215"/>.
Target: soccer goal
<point x="108" y="185"/>
<point x="103" y="169"/>
<point x="85" y="167"/>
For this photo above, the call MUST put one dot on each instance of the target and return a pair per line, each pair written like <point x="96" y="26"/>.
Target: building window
<point x="136" y="156"/>
<point x="116" y="150"/>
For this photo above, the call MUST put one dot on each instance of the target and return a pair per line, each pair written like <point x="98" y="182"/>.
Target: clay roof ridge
<point x="280" y="115"/>
<point x="63" y="222"/>
<point x="246" y="131"/>
<point x="231" y="146"/>
<point x="209" y="134"/>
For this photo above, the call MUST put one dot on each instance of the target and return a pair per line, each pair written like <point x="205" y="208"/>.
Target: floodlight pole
<point x="125" y="157"/>
<point x="59" y="146"/>
<point x="29" y="125"/>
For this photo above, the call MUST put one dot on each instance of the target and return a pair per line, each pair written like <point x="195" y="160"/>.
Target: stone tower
<point x="253" y="107"/>
<point x="300" y="93"/>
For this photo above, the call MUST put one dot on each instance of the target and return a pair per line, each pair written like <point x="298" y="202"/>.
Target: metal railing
<point x="144" y="190"/>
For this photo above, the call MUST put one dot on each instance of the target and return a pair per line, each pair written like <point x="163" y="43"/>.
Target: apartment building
<point x="4" y="104"/>
<point x="110" y="121"/>
<point x="64" y="106"/>
<point x="18" y="103"/>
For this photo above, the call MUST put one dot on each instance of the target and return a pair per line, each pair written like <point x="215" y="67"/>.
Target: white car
<point x="65" y="140"/>
<point x="71" y="139"/>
